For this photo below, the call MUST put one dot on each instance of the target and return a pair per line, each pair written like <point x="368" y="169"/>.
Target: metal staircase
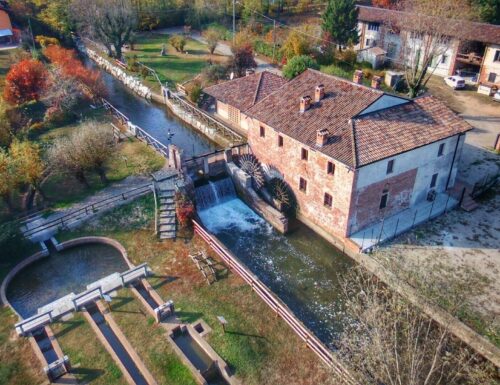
<point x="165" y="192"/>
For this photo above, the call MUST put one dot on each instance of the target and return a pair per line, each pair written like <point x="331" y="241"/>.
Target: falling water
<point x="214" y="193"/>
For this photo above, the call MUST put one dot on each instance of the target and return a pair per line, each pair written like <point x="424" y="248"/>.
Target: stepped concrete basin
<point x="42" y="279"/>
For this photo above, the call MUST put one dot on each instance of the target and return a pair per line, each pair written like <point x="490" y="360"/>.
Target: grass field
<point x="175" y="67"/>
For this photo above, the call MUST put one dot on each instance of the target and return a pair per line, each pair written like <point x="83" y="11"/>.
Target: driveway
<point x="223" y="48"/>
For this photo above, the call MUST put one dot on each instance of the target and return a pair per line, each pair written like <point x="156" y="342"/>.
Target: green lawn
<point x="175" y="67"/>
<point x="258" y="346"/>
<point x="90" y="361"/>
<point x="155" y="351"/>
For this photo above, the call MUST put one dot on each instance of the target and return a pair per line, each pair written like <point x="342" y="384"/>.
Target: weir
<point x="214" y="193"/>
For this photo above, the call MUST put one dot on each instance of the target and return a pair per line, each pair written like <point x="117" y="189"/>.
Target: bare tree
<point x="392" y="342"/>
<point x="425" y="28"/>
<point x="64" y="92"/>
<point x="109" y="21"/>
<point x="87" y="149"/>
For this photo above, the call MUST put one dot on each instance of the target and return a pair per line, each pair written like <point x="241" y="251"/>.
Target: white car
<point x="496" y="96"/>
<point x="455" y="82"/>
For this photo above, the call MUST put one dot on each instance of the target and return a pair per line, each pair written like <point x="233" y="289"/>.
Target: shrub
<point x="266" y="49"/>
<point x="349" y="57"/>
<point x="215" y="72"/>
<point x="224" y="33"/>
<point x="46" y="41"/>
<point x="297" y="65"/>
<point x="338" y="71"/>
<point x="194" y="93"/>
<point x="184" y="209"/>
<point x="178" y="42"/>
<point x="365" y="64"/>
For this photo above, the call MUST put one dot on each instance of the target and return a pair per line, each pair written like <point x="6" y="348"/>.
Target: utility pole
<point x="234" y="21"/>
<point x="274" y="38"/>
<point x="31" y="33"/>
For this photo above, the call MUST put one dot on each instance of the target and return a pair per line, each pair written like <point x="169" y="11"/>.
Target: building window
<point x="373" y="27"/>
<point x="441" y="149"/>
<point x="444" y="59"/>
<point x="370" y="43"/>
<point x="262" y="132"/>
<point x="497" y="56"/>
<point x="304" y="154"/>
<point x="390" y="166"/>
<point x="330" y="168"/>
<point x="391" y="50"/>
<point x="302" y="184"/>
<point x="492" y="77"/>
<point x="434" y="180"/>
<point x="328" y="200"/>
<point x="280" y="141"/>
<point x="384" y="198"/>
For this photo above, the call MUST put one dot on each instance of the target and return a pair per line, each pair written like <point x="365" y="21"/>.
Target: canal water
<point x="157" y="120"/>
<point x="301" y="268"/>
<point x="62" y="273"/>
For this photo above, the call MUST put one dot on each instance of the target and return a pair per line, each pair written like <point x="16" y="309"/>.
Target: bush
<point x="194" y="93"/>
<point x="348" y="57"/>
<point x="214" y="73"/>
<point x="365" y="65"/>
<point x="338" y="71"/>
<point x="178" y="42"/>
<point x="25" y="81"/>
<point x="266" y="49"/>
<point x="45" y="41"/>
<point x="184" y="209"/>
<point x="297" y="65"/>
<point x="224" y="33"/>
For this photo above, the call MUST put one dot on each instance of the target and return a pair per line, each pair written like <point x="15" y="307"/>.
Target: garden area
<point x="257" y="345"/>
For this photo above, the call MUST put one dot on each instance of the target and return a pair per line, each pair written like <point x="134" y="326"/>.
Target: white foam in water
<point x="233" y="214"/>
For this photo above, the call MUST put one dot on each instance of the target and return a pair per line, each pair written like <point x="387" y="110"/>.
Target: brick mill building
<point x="351" y="154"/>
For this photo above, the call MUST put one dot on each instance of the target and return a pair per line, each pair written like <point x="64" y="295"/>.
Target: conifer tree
<point x="340" y="21"/>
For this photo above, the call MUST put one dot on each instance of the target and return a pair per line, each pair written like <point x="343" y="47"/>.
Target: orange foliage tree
<point x="69" y="64"/>
<point x="383" y="3"/>
<point x="26" y="81"/>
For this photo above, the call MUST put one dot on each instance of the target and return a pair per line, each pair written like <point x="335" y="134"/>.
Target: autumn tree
<point x="5" y="126"/>
<point x="9" y="179"/>
<point x="391" y="341"/>
<point x="29" y="165"/>
<point x="87" y="149"/>
<point x="383" y="3"/>
<point x="111" y="22"/>
<point x="178" y="42"/>
<point x="243" y="59"/>
<point x="296" y="44"/>
<point x="340" y="21"/>
<point x="212" y="37"/>
<point x="26" y="81"/>
<point x="425" y="37"/>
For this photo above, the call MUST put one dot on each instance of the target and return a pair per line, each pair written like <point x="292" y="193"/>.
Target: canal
<point x="155" y="119"/>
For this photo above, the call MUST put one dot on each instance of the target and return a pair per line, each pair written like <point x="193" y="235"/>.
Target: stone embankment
<point x="130" y="81"/>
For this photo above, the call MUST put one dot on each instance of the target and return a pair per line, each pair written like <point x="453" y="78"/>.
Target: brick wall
<point x="366" y="201"/>
<point x="287" y="160"/>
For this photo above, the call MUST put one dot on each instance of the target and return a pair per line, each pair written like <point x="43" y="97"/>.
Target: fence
<point x="138" y="132"/>
<point x="77" y="214"/>
<point x="277" y="305"/>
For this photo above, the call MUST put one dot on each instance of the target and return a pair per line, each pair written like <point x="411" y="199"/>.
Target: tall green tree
<point x="340" y="21"/>
<point x="489" y="10"/>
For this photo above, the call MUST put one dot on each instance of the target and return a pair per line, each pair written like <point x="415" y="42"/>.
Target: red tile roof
<point x="382" y="134"/>
<point x="343" y="100"/>
<point x="245" y="92"/>
<point x="482" y="32"/>
<point x="355" y="139"/>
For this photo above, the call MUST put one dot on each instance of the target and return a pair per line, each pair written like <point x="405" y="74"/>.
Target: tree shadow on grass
<point x="69" y="326"/>
<point x="85" y="375"/>
<point x="246" y="335"/>
<point x="165" y="280"/>
<point x="188" y="317"/>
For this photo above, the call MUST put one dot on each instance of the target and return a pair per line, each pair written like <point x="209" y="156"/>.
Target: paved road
<point x="223" y="48"/>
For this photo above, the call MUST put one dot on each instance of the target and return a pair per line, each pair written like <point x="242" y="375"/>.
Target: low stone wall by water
<point x="130" y="81"/>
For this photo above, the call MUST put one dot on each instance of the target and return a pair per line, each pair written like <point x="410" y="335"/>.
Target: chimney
<point x="358" y="77"/>
<point x="249" y="71"/>
<point x="319" y="93"/>
<point x="376" y="81"/>
<point x="321" y="137"/>
<point x="305" y="103"/>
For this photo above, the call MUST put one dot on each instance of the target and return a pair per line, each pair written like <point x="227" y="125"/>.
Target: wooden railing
<point x="277" y="305"/>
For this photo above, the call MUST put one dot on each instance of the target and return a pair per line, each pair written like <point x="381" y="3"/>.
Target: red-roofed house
<point x="6" y="31"/>
<point x="352" y="154"/>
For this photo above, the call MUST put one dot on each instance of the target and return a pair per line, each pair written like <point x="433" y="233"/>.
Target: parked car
<point x="496" y="96"/>
<point x="455" y="82"/>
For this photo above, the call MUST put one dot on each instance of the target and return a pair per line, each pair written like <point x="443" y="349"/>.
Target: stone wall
<point x="286" y="160"/>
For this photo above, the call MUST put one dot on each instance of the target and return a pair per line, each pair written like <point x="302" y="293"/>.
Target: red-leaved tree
<point x="243" y="59"/>
<point x="26" y="81"/>
<point x="383" y="3"/>
<point x="69" y="64"/>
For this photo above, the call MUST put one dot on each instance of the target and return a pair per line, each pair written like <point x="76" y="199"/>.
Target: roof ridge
<point x="354" y="148"/>
<point x="272" y="93"/>
<point x="257" y="89"/>
<point x="345" y="81"/>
